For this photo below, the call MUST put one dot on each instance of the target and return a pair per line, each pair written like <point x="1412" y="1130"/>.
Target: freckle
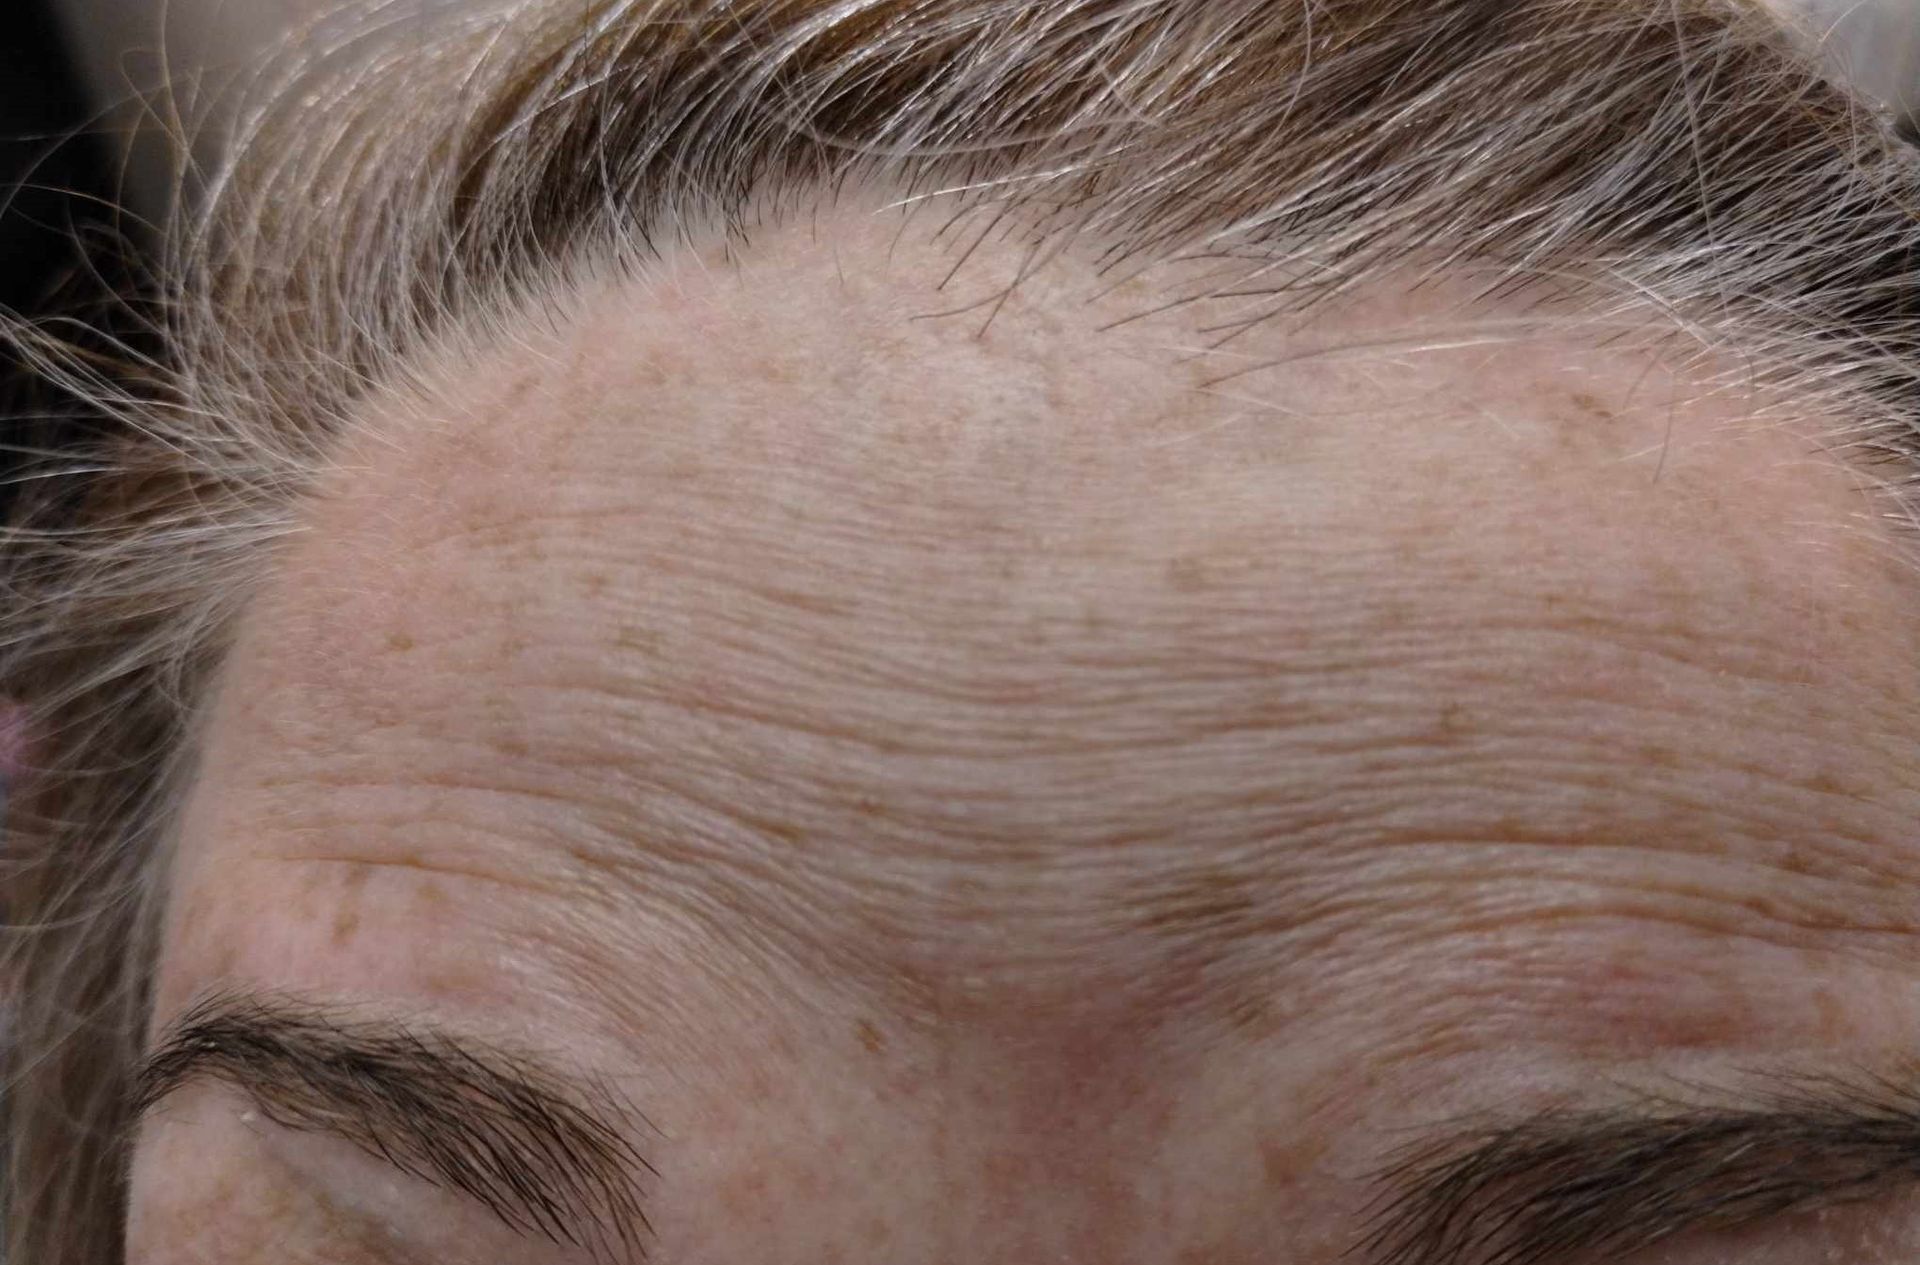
<point x="1591" y="406"/>
<point x="1826" y="784"/>
<point x="517" y="391"/>
<point x="1285" y="1163"/>
<point x="431" y="894"/>
<point x="1186" y="575"/>
<point x="1656" y="756"/>
<point x="870" y="1036"/>
<point x="1795" y="861"/>
<point x="349" y="898"/>
<point x="400" y="641"/>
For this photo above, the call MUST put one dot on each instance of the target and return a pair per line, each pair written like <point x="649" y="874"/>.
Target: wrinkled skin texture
<point x="999" y="798"/>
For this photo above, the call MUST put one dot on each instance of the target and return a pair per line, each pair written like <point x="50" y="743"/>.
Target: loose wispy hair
<point x="394" y="188"/>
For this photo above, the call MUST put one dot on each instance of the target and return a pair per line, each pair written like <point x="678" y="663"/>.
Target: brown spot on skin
<point x="1288" y="1163"/>
<point x="521" y="386"/>
<point x="400" y="641"/>
<point x="871" y="1038"/>
<point x="355" y="881"/>
<point x="1826" y="784"/>
<point x="1187" y="575"/>
<point x="347" y="908"/>
<point x="1653" y="756"/>
<point x="1447" y="730"/>
<point x="1590" y="405"/>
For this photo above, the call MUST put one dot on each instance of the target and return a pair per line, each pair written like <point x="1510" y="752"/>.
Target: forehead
<point x="809" y="616"/>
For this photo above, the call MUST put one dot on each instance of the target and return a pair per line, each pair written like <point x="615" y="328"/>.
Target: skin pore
<point x="986" y="780"/>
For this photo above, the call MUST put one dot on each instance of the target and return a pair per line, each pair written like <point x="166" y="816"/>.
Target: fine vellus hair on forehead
<point x="396" y="184"/>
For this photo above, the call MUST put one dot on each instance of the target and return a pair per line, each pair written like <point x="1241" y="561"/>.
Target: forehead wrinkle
<point x="1365" y="899"/>
<point x="787" y="655"/>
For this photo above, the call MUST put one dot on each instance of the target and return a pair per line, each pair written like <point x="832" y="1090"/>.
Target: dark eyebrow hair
<point x="550" y="1158"/>
<point x="546" y="1156"/>
<point x="1566" y="1182"/>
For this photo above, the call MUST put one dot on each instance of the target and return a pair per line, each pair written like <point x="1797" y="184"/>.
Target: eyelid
<point x="1870" y="1232"/>
<point x="546" y="1154"/>
<point x="250" y="1190"/>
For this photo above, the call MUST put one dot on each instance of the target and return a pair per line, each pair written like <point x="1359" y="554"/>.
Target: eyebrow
<point x="547" y="1156"/>
<point x="1565" y="1183"/>
<point x="552" y="1159"/>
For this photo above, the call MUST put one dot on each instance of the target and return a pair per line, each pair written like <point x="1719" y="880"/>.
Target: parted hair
<point x="394" y="183"/>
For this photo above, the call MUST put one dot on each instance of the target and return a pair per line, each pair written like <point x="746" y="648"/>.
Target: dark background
<point x="48" y="183"/>
<point x="57" y="236"/>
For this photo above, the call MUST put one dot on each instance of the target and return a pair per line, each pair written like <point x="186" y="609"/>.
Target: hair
<point x="384" y="193"/>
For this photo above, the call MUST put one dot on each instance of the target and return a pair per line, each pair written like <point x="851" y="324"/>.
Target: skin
<point x="1000" y="798"/>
